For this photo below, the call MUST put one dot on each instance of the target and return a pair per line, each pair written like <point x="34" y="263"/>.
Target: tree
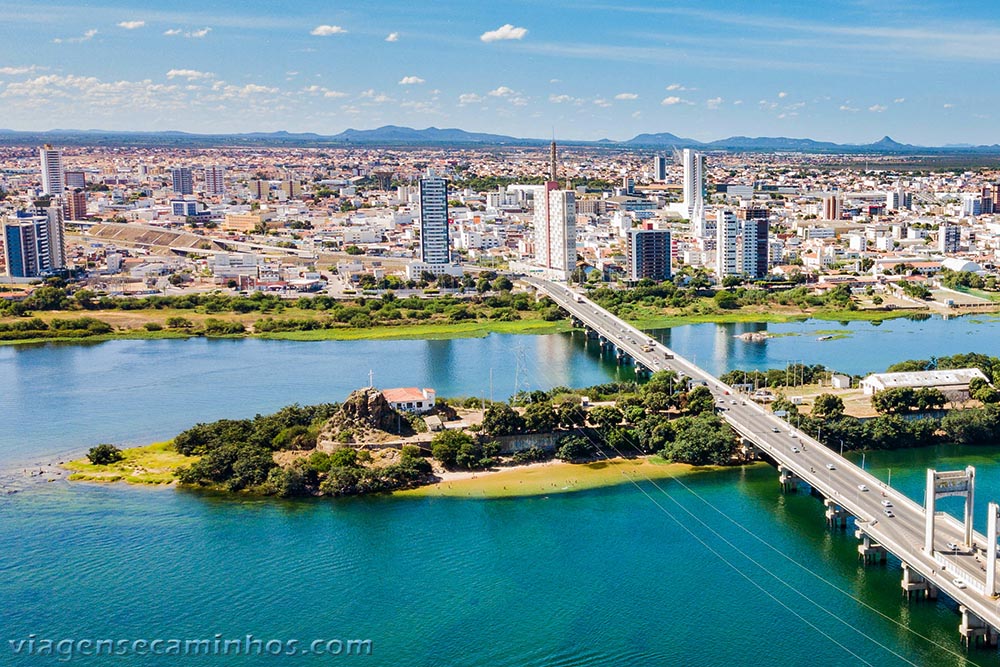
<point x="446" y="445"/>
<point x="828" y="406"/>
<point x="700" y="400"/>
<point x="726" y="300"/>
<point x="573" y="448"/>
<point x="102" y="455"/>
<point x="503" y="284"/>
<point x="540" y="417"/>
<point x="605" y="416"/>
<point x="700" y="440"/>
<point x="572" y="415"/>
<point x="501" y="419"/>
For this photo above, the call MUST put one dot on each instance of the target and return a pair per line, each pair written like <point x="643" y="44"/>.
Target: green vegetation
<point x="103" y="455"/>
<point x="153" y="464"/>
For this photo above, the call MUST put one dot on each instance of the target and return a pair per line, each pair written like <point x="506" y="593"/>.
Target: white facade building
<point x="434" y="220"/>
<point x="53" y="178"/>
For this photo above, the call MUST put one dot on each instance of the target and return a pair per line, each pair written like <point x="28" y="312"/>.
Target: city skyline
<point x="849" y="73"/>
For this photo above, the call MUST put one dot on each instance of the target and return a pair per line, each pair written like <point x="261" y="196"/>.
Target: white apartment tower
<point x="727" y="230"/>
<point x="555" y="224"/>
<point x="949" y="239"/>
<point x="53" y="179"/>
<point x="694" y="184"/>
<point x="434" y="220"/>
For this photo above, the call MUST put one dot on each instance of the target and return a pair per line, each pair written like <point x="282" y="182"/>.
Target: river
<point x="613" y="576"/>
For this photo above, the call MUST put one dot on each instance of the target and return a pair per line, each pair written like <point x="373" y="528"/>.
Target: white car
<point x="886" y="503"/>
<point x="776" y="429"/>
<point x="888" y="512"/>
<point x="795" y="450"/>
<point x="862" y="487"/>
<point x="830" y="466"/>
<point x="952" y="546"/>
<point x="958" y="582"/>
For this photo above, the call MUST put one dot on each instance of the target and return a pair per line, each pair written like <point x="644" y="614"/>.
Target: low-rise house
<point x="410" y="399"/>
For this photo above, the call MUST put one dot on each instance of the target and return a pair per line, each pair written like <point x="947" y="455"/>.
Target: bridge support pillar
<point x="622" y="358"/>
<point x="974" y="630"/>
<point x="915" y="585"/>
<point x="870" y="552"/>
<point x="836" y="516"/>
<point x="592" y="334"/>
<point x="788" y="479"/>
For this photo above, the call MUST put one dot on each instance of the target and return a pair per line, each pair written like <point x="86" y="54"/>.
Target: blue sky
<point x="848" y="71"/>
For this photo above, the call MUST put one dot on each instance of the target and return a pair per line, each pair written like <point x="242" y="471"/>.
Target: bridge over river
<point x="938" y="552"/>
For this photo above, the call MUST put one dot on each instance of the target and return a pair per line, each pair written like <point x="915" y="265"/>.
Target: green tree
<point x="540" y="417"/>
<point x="699" y="400"/>
<point x="700" y="440"/>
<point x="572" y="415"/>
<point x="446" y="446"/>
<point x="573" y="448"/>
<point x="501" y="419"/>
<point x="828" y="406"/>
<point x="102" y="455"/>
<point x="605" y="416"/>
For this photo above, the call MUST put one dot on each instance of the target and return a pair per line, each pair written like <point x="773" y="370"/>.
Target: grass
<point x="152" y="464"/>
<point x="554" y="477"/>
<point x="470" y="329"/>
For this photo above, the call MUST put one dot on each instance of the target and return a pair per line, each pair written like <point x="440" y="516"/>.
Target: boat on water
<point x="830" y="337"/>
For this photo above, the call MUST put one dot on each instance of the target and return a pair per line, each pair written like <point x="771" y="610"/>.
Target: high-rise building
<point x="434" y="220"/>
<point x="182" y="181"/>
<point x="555" y="224"/>
<point x="949" y="237"/>
<point x="694" y="183"/>
<point x="727" y="229"/>
<point x="75" y="205"/>
<point x="831" y="207"/>
<point x="659" y="168"/>
<point x="75" y="179"/>
<point x="215" y="180"/>
<point x="53" y="179"/>
<point x="753" y="251"/>
<point x="648" y="254"/>
<point x="33" y="243"/>
<point x="259" y="189"/>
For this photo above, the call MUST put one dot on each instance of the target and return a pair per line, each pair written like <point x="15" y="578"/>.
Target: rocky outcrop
<point x="364" y="417"/>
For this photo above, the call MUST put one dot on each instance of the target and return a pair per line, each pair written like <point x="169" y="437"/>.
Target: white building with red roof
<point x="410" y="399"/>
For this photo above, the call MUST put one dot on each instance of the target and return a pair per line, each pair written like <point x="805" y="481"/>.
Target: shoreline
<point x="477" y="329"/>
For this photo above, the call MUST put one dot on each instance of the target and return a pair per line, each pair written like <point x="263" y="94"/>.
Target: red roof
<point x="405" y="394"/>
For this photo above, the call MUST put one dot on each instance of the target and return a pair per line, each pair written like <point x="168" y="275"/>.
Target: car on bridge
<point x="886" y="503"/>
<point x="952" y="546"/>
<point x="830" y="466"/>
<point x="795" y="450"/>
<point x="888" y="512"/>
<point x="958" y="582"/>
<point x="862" y="487"/>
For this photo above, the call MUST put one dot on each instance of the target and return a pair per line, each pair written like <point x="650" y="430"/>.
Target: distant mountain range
<point x="397" y="136"/>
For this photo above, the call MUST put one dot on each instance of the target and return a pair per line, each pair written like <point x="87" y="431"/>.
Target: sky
<point x="849" y="71"/>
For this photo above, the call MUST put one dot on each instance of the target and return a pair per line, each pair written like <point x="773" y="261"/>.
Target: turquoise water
<point x="620" y="576"/>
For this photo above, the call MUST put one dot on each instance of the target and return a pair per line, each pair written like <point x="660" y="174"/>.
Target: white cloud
<point x="601" y="102"/>
<point x="671" y="100"/>
<point x="375" y="97"/>
<point x="198" y="34"/>
<point x="845" y="107"/>
<point x="255" y="89"/>
<point x="470" y="98"/>
<point x="504" y="32"/>
<point x="626" y="96"/>
<point x="131" y="25"/>
<point x="782" y="95"/>
<point x="410" y="80"/>
<point x="877" y="108"/>
<point x="636" y="114"/>
<point x="559" y="99"/>
<point x="85" y="37"/>
<point x="392" y="37"/>
<point x="327" y="30"/>
<point x="713" y="103"/>
<point x="502" y="91"/>
<point x="899" y="100"/>
<point x="736" y="103"/>
<point x="555" y="80"/>
<point x="14" y="71"/>
<point x="334" y="94"/>
<point x="949" y="105"/>
<point x="172" y="32"/>
<point x="189" y="74"/>
<point x="675" y="86"/>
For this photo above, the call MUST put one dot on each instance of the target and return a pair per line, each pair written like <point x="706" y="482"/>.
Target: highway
<point x="958" y="572"/>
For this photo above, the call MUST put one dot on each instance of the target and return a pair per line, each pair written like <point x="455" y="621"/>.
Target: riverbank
<point x="157" y="463"/>
<point x="131" y="325"/>
<point x="540" y="479"/>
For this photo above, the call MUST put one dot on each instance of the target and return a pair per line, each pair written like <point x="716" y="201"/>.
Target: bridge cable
<point x="765" y="569"/>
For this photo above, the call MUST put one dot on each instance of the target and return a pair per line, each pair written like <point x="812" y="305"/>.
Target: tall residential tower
<point x="53" y="179"/>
